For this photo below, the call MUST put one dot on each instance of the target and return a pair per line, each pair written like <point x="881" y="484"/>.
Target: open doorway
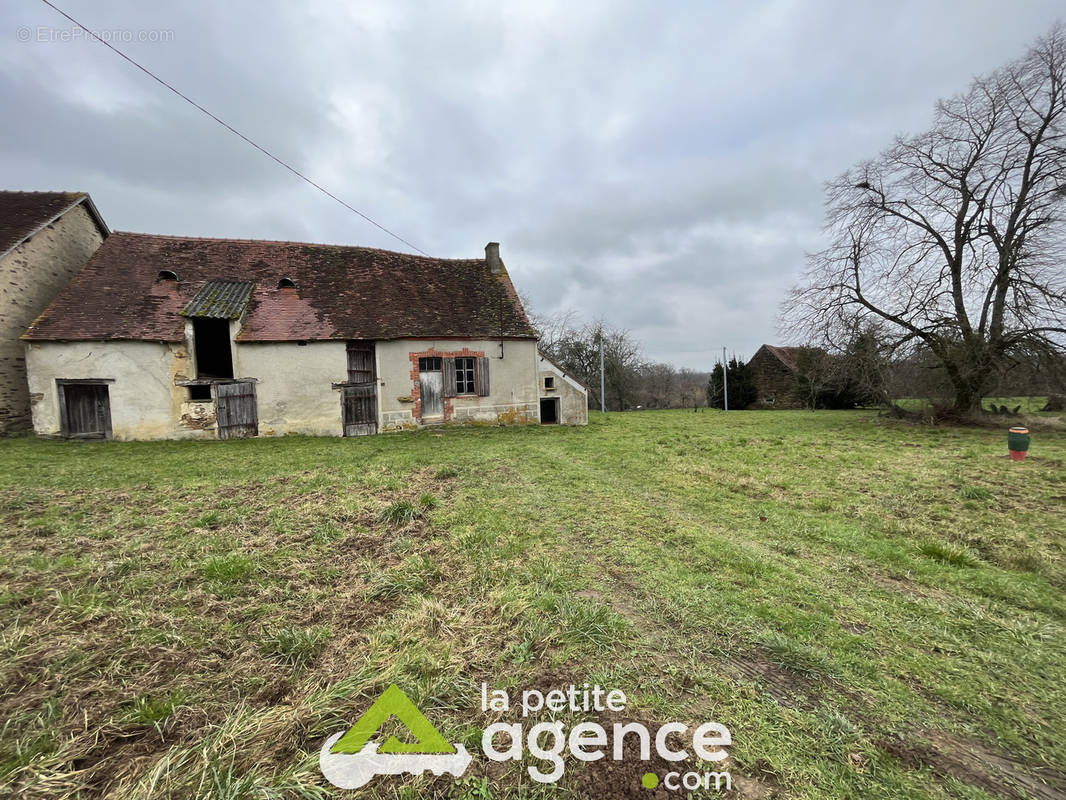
<point x="549" y="411"/>
<point x="213" y="356"/>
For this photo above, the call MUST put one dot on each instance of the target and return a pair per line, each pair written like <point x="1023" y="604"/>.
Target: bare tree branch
<point x="954" y="238"/>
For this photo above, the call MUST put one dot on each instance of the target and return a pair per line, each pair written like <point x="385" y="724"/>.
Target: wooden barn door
<point x="85" y="410"/>
<point x="360" y="404"/>
<point x="236" y="410"/>
<point x="359" y="399"/>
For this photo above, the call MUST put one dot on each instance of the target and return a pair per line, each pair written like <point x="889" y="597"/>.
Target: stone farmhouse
<point x="176" y="337"/>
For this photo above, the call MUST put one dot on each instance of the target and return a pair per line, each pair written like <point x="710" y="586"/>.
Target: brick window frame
<point x="481" y="377"/>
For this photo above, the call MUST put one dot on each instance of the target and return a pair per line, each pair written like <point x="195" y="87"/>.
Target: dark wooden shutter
<point x="449" y="377"/>
<point x="481" y="376"/>
<point x="236" y="410"/>
<point x="360" y="362"/>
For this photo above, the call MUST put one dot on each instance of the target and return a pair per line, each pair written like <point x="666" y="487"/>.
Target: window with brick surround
<point x="464" y="376"/>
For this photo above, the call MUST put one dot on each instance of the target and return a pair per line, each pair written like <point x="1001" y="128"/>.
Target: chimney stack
<point x="492" y="256"/>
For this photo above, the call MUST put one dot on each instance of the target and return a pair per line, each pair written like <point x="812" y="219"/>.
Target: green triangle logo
<point x="393" y="703"/>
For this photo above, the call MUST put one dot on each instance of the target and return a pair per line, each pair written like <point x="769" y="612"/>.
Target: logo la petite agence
<point x="349" y="759"/>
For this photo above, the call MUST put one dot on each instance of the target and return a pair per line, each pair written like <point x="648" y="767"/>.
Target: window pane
<point x="464" y="376"/>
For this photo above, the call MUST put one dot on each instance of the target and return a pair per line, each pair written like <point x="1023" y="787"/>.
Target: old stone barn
<point x="774" y="372"/>
<point x="45" y="238"/>
<point x="175" y="337"/>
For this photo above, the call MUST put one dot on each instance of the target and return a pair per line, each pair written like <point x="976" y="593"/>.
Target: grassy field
<point x="874" y="610"/>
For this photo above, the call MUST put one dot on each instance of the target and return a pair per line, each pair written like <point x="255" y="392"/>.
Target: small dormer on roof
<point x="220" y="300"/>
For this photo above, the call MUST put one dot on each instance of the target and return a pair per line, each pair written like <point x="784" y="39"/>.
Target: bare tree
<point x="577" y="349"/>
<point x="692" y="388"/>
<point x="551" y="328"/>
<point x="630" y="381"/>
<point x="657" y="385"/>
<point x="622" y="358"/>
<point x="953" y="239"/>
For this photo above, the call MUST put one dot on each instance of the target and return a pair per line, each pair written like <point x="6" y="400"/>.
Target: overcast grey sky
<point x="656" y="164"/>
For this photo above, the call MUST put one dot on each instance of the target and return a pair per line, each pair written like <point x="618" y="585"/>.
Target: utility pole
<point x="603" y="396"/>
<point x="725" y="384"/>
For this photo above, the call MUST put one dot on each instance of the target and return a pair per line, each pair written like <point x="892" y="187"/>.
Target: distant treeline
<point x="630" y="381"/>
<point x="861" y="373"/>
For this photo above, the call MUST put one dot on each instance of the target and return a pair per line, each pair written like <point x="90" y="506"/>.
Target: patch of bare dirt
<point x="622" y="779"/>
<point x="902" y="585"/>
<point x="788" y="688"/>
<point x="979" y="765"/>
<point x="854" y="628"/>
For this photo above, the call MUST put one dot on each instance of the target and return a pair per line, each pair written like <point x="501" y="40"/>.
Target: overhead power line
<point x="233" y="130"/>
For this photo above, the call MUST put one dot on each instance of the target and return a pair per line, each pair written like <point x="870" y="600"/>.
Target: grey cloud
<point x="656" y="165"/>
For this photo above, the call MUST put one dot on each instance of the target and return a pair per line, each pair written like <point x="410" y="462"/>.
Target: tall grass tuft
<point x="950" y="553"/>
<point x="296" y="646"/>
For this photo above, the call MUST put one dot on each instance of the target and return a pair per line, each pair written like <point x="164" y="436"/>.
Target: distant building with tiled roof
<point x="177" y="337"/>
<point x="45" y="238"/>
<point x="774" y="371"/>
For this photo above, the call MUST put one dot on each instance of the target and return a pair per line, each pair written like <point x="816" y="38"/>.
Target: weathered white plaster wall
<point x="512" y="399"/>
<point x="295" y="385"/>
<point x="145" y="403"/>
<point x="573" y="397"/>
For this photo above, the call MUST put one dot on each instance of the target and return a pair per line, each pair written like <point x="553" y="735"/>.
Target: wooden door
<point x="86" y="410"/>
<point x="236" y="410"/>
<point x="430" y="385"/>
<point x="360" y="409"/>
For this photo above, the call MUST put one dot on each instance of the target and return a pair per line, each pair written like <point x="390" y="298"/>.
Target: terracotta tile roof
<point x="789" y="356"/>
<point x="341" y="292"/>
<point x="23" y="213"/>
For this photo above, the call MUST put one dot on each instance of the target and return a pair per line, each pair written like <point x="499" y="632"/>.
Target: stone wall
<point x="776" y="383"/>
<point x="31" y="275"/>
